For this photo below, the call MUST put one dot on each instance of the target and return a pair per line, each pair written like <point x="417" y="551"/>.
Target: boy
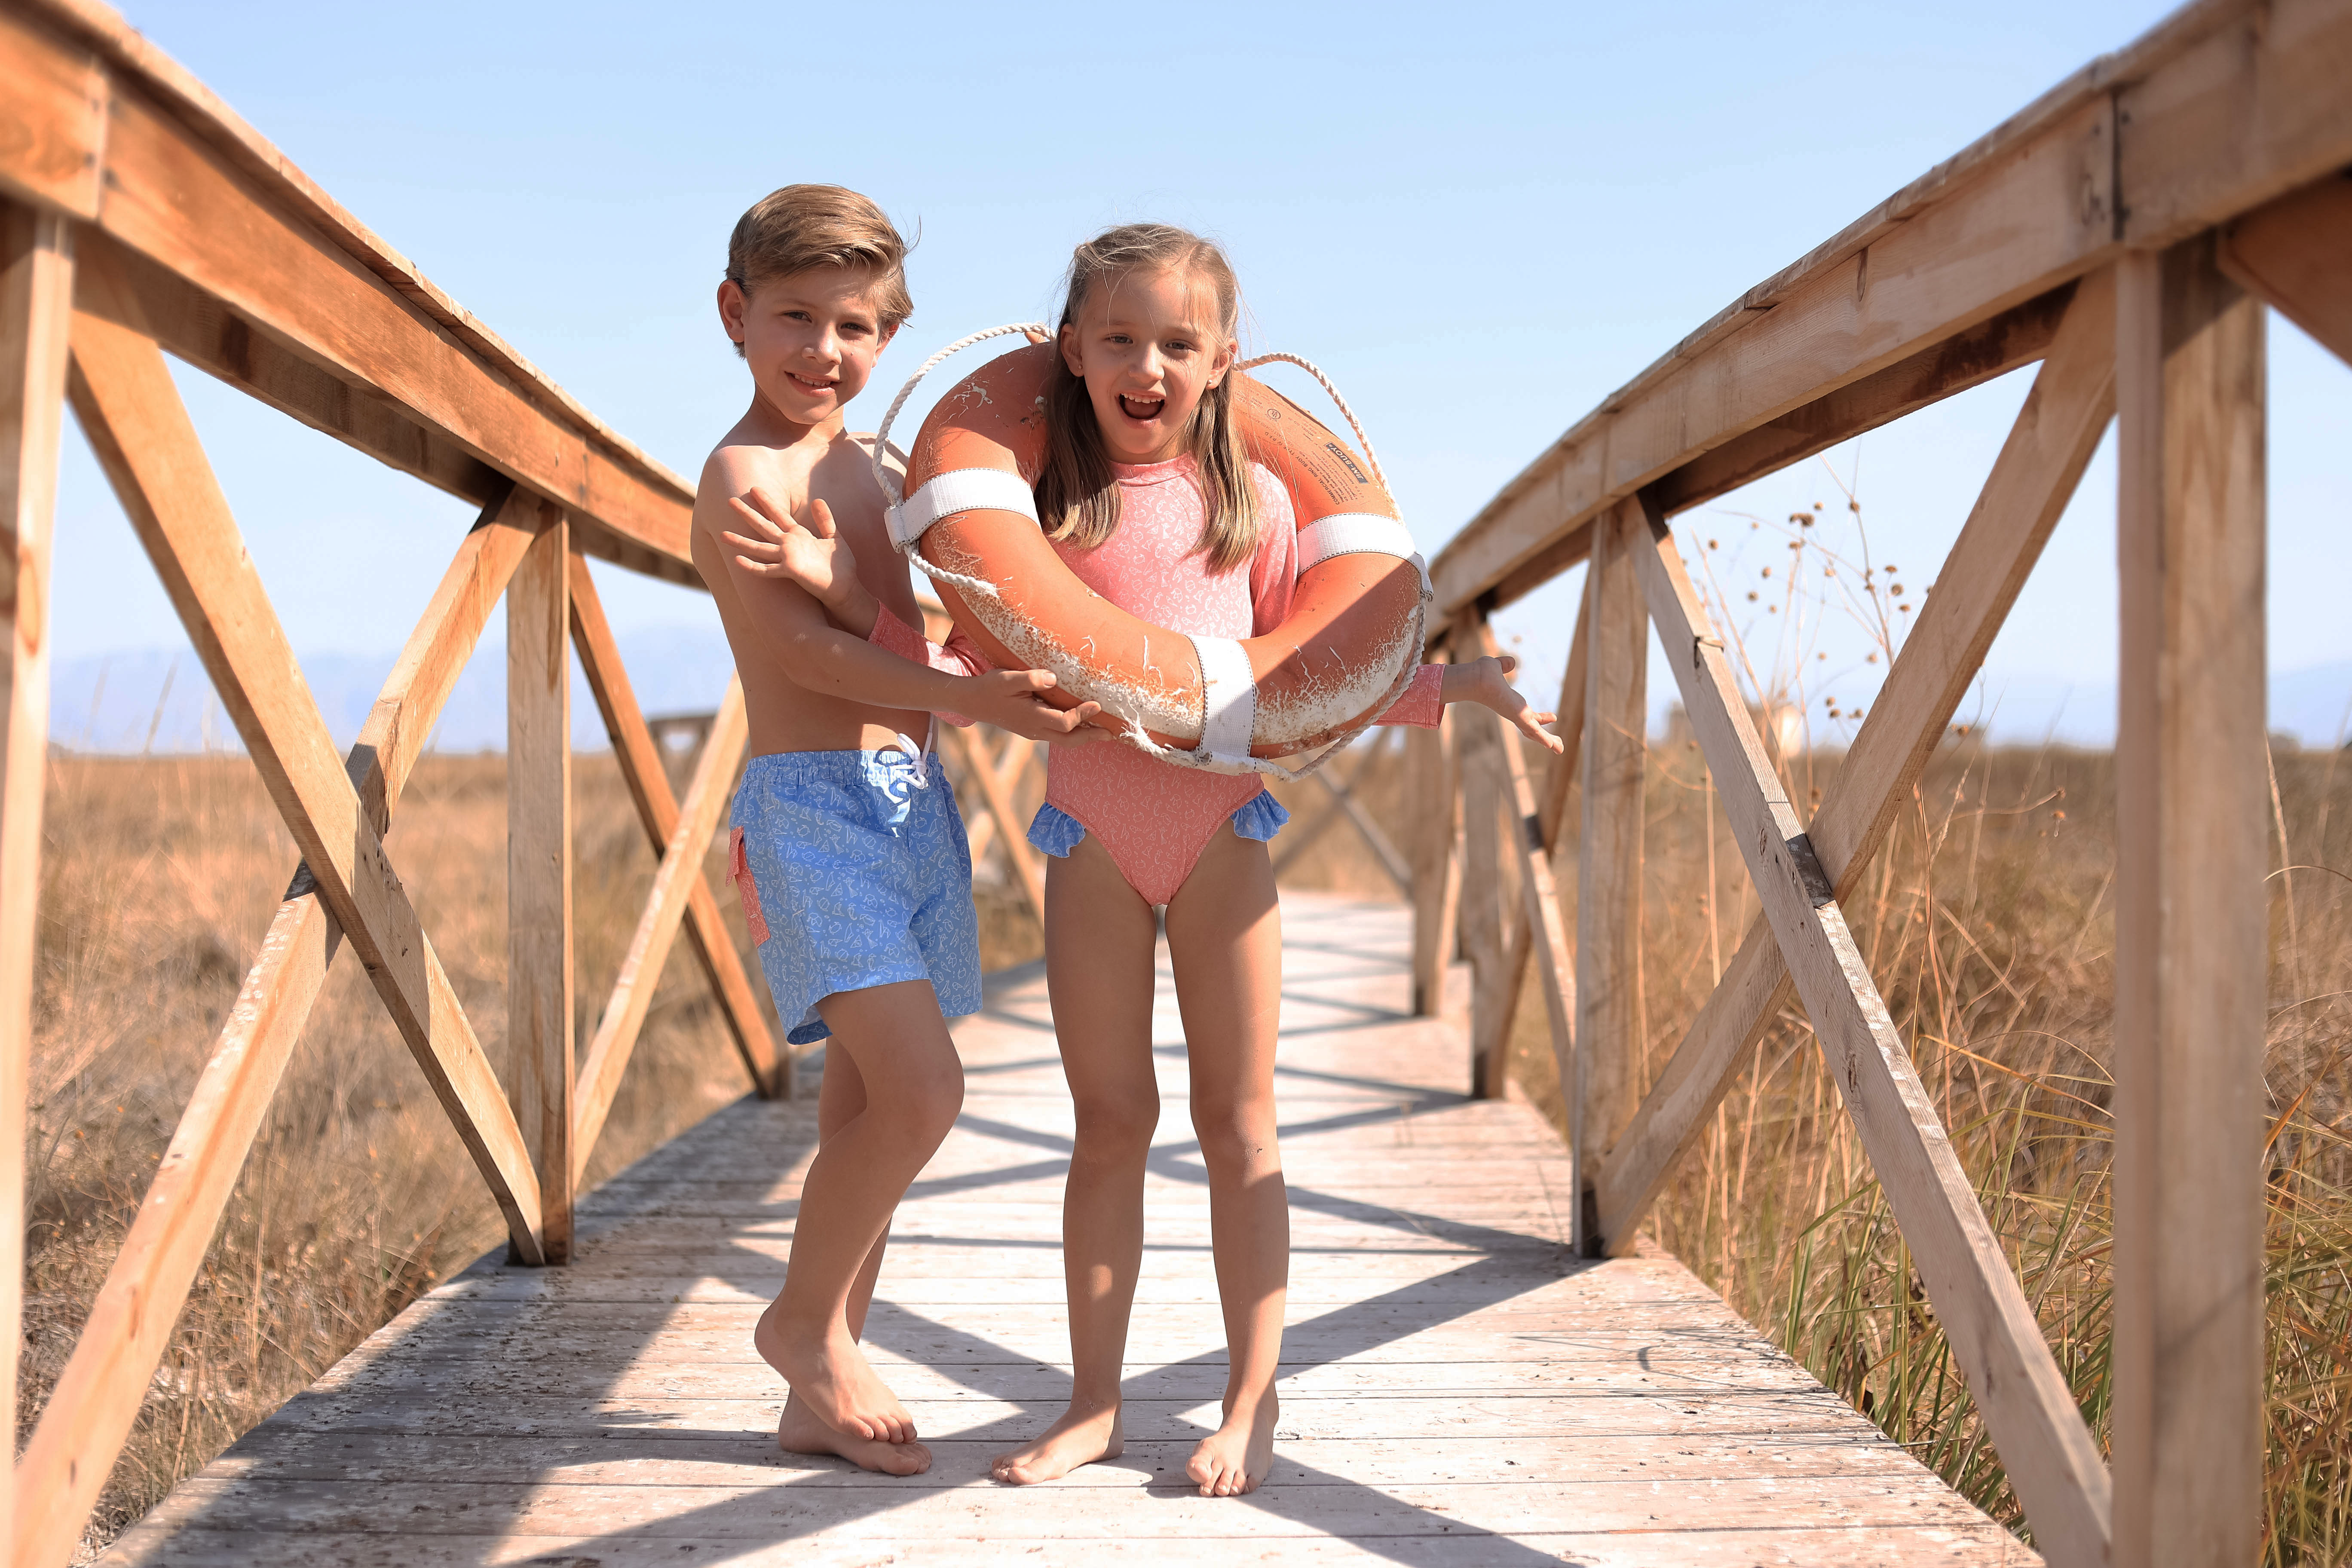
<point x="847" y="846"/>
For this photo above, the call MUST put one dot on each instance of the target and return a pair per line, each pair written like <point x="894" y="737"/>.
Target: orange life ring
<point x="1349" y="647"/>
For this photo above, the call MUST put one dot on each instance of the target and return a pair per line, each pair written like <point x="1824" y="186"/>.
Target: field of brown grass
<point x="1986" y="922"/>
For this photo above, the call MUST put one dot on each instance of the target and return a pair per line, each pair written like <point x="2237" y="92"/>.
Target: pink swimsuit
<point x="1154" y="820"/>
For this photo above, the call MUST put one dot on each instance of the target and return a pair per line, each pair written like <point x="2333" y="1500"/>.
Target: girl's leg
<point x="1099" y="937"/>
<point x="841" y="1100"/>
<point x="1224" y="938"/>
<point x="913" y="1087"/>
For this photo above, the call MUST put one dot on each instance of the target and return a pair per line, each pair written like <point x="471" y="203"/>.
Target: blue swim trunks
<point x="855" y="873"/>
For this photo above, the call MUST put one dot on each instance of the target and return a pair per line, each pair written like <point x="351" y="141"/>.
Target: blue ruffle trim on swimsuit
<point x="1260" y="817"/>
<point x="1056" y="832"/>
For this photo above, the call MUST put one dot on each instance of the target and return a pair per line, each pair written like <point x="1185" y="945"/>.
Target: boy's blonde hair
<point x="821" y="226"/>
<point x="1078" y="494"/>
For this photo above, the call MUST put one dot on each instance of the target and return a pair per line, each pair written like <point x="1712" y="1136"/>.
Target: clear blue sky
<point x="1480" y="218"/>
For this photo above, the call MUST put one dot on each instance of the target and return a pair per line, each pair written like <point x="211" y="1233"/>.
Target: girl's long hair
<point x="1078" y="494"/>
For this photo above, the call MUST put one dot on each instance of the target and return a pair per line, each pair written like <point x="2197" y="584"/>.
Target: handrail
<point x="2126" y="231"/>
<point x="139" y="216"/>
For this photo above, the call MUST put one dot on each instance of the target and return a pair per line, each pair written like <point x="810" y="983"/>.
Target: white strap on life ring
<point x="1358" y="533"/>
<point x="958" y="490"/>
<point x="1228" y="699"/>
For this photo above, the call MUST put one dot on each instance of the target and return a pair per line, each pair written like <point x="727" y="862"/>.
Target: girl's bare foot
<point x="831" y="1376"/>
<point x="1078" y="1438"/>
<point x="1232" y="1460"/>
<point x="800" y="1432"/>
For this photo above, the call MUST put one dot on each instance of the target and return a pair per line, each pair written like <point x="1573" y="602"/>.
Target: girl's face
<point x="1148" y="346"/>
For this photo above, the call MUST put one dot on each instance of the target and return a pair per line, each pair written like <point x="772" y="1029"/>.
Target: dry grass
<point x="159" y="879"/>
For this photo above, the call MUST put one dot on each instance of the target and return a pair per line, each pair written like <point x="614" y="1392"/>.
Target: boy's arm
<point x="775" y="545"/>
<point x="819" y="656"/>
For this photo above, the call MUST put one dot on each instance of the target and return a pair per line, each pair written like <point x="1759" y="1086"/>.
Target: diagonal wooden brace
<point x="97" y="1395"/>
<point x="123" y="394"/>
<point x="2045" y="1445"/>
<point x="674" y="886"/>
<point x="648" y="782"/>
<point x="2030" y="482"/>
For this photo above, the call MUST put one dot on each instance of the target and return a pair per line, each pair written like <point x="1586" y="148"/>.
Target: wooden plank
<point x="36" y="264"/>
<point x="52" y="120"/>
<point x="1611" y="1029"/>
<point x="635" y="749"/>
<point x="1011" y="831"/>
<point x="1375" y="838"/>
<point x="2191" y="912"/>
<point x="2047" y="1451"/>
<point x="2290" y="255"/>
<point x="2040" y="462"/>
<point x="1540" y="912"/>
<point x="1559" y="773"/>
<point x="2220" y="108"/>
<point x="680" y="873"/>
<point x="98" y="1395"/>
<point x="123" y="395"/>
<point x="1486" y="899"/>
<point x="213" y="205"/>
<point x="538" y="1043"/>
<point x="1432" y="817"/>
<point x="2251" y="107"/>
<point x="2014" y="228"/>
<point x="2016" y="337"/>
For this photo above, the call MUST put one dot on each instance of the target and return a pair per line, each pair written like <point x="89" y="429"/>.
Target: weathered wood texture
<point x="539" y="1044"/>
<point x="2224" y="106"/>
<point x="2191" y="907"/>
<point x="1456" y="1390"/>
<point x="1610" y="1027"/>
<point x="2031" y="480"/>
<point x="36" y="320"/>
<point x="2048" y="1453"/>
<point x="242" y="266"/>
<point x="2292" y="255"/>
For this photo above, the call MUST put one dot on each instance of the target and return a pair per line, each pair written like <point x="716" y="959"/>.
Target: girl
<point x="1151" y="500"/>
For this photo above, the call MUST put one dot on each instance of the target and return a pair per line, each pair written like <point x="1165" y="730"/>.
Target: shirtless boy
<point x="855" y="878"/>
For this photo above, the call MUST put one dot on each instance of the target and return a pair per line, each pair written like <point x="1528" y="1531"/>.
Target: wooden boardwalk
<point x="1455" y="1388"/>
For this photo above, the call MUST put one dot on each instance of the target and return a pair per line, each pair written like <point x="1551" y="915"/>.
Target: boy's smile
<point x="1147" y="349"/>
<point x="811" y="338"/>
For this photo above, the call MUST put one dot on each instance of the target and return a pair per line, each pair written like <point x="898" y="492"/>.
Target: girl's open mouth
<point x="1141" y="409"/>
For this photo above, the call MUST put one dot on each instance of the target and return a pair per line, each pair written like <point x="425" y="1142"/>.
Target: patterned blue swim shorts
<point x="855" y="873"/>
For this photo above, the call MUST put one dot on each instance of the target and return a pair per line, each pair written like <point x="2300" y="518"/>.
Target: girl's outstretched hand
<point x="1488" y="683"/>
<point x="775" y="545"/>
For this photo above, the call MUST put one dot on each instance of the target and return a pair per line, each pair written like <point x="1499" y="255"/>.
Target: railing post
<point x="1436" y="868"/>
<point x="1489" y="889"/>
<point x="36" y="311"/>
<point x="539" y="872"/>
<point x="1608" y="1024"/>
<point x="2191" y="927"/>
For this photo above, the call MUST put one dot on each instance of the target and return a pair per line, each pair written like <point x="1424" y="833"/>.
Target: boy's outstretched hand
<point x="1487" y="682"/>
<point x="1010" y="699"/>
<point x="774" y="544"/>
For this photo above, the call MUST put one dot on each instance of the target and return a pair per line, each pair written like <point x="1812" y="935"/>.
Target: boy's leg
<point x="841" y="1100"/>
<point x="913" y="1088"/>
<point x="1099" y="937"/>
<point x="1225" y="939"/>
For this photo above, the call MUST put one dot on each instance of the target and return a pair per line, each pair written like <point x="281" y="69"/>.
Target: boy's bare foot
<point x="831" y="1376"/>
<point x="800" y="1432"/>
<point x="1232" y="1460"/>
<point x="1078" y="1438"/>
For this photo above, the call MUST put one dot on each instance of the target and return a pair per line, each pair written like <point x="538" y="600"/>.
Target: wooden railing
<point x="140" y="218"/>
<point x="2127" y="231"/>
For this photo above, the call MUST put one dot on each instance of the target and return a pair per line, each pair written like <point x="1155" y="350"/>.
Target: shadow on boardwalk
<point x="1455" y="1388"/>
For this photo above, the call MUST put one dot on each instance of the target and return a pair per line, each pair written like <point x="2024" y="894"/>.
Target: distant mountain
<point x="159" y="699"/>
<point x="111" y="703"/>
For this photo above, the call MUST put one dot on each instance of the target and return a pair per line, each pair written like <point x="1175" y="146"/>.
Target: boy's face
<point x="1148" y="347"/>
<point x="811" y="338"/>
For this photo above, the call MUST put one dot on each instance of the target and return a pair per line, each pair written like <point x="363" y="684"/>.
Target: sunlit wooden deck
<point x="1457" y="1388"/>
